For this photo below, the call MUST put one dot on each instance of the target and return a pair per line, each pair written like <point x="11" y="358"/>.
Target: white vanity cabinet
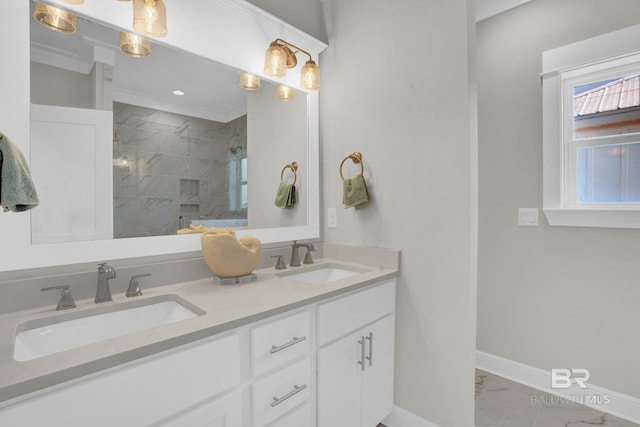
<point x="355" y="358"/>
<point x="145" y="392"/>
<point x="326" y="364"/>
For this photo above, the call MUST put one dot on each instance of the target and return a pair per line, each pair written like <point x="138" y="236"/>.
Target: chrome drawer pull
<point x="362" y="356"/>
<point x="294" y="341"/>
<point x="370" y="357"/>
<point x="296" y="389"/>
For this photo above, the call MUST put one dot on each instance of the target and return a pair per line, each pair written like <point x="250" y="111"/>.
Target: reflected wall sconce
<point x="73" y="1"/>
<point x="133" y="45"/>
<point x="249" y="81"/>
<point x="150" y="17"/>
<point x="285" y="93"/>
<point x="280" y="56"/>
<point x="55" y="19"/>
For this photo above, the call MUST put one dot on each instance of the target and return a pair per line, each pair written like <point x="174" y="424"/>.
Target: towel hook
<point x="294" y="168"/>
<point x="356" y="157"/>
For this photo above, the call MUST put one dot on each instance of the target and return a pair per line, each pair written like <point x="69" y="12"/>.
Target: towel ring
<point x="294" y="168"/>
<point x="356" y="157"/>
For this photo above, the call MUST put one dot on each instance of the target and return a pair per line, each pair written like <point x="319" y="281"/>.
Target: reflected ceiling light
<point x="285" y="93"/>
<point x="249" y="81"/>
<point x="74" y="1"/>
<point x="135" y="46"/>
<point x="150" y="17"/>
<point x="280" y="56"/>
<point x="178" y="92"/>
<point x="55" y="19"/>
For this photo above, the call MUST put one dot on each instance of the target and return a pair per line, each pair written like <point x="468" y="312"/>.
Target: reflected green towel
<point x="286" y="195"/>
<point x="354" y="192"/>
<point x="17" y="191"/>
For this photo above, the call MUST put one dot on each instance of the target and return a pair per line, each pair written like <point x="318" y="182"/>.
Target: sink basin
<point x="321" y="274"/>
<point x="41" y="337"/>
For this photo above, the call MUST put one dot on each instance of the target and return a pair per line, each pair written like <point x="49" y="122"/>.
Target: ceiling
<point x="210" y="89"/>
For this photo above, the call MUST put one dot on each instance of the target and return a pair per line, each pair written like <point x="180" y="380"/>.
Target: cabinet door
<point x="223" y="412"/>
<point x="339" y="383"/>
<point x="377" y="378"/>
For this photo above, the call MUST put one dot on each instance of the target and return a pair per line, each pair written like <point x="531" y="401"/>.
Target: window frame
<point x="561" y="69"/>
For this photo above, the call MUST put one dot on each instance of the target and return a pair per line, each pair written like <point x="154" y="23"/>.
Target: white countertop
<point x="226" y="307"/>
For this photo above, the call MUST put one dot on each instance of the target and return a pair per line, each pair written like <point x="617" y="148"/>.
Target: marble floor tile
<point x="504" y="403"/>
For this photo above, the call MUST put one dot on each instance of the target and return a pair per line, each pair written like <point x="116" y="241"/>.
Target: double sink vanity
<point x="303" y="346"/>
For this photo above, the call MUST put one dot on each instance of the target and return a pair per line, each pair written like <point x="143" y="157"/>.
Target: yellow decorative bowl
<point x="227" y="256"/>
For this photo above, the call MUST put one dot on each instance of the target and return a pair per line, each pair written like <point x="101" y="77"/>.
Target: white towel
<point x="17" y="191"/>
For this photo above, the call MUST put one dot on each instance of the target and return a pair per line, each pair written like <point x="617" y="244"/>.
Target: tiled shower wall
<point x="168" y="165"/>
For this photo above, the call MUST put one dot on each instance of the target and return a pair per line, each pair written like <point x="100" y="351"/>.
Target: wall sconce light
<point x="55" y="19"/>
<point x="150" y="17"/>
<point x="279" y="57"/>
<point x="285" y="93"/>
<point x="135" y="46"/>
<point x="73" y="1"/>
<point x="249" y="81"/>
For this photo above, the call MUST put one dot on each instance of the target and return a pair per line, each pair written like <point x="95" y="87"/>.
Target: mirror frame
<point x="237" y="34"/>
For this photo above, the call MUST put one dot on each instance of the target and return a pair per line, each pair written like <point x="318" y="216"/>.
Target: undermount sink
<point x="41" y="337"/>
<point x="321" y="274"/>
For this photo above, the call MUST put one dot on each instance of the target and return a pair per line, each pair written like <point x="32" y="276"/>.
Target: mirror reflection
<point x="187" y="145"/>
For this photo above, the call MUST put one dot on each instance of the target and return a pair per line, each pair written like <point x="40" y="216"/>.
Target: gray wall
<point x="57" y="86"/>
<point x="549" y="297"/>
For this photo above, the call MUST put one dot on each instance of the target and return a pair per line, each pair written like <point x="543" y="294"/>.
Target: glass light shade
<point x="150" y="17"/>
<point x="74" y="1"/>
<point x="285" y="93"/>
<point x="55" y="19"/>
<point x="134" y="45"/>
<point x="249" y="81"/>
<point x="275" y="61"/>
<point x="310" y="76"/>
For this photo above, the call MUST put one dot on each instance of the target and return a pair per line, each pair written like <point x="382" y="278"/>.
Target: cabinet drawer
<point x="281" y="341"/>
<point x="141" y="393"/>
<point x="346" y="314"/>
<point x="300" y="417"/>
<point x="281" y="392"/>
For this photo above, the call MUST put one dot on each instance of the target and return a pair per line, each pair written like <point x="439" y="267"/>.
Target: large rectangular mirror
<point x="223" y="160"/>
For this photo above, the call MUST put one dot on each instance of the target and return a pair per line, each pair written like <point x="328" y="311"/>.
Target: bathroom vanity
<point x="285" y="350"/>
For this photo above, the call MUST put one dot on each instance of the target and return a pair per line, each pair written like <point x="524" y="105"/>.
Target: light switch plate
<point x="528" y="217"/>
<point x="332" y="218"/>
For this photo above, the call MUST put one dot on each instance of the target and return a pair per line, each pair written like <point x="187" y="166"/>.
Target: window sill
<point x="593" y="218"/>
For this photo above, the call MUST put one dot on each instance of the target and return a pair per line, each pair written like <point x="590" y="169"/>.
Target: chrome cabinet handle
<point x="294" y="341"/>
<point x="296" y="389"/>
<point x="362" y="356"/>
<point x="370" y="357"/>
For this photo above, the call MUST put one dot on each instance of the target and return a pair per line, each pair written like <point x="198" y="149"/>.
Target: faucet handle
<point x="280" y="265"/>
<point x="307" y="256"/>
<point x="134" y="286"/>
<point x="66" y="300"/>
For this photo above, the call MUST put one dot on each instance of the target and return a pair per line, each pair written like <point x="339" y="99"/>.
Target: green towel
<point x="286" y="196"/>
<point x="354" y="192"/>
<point x="17" y="191"/>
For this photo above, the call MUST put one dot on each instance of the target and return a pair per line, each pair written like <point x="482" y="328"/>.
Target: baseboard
<point x="403" y="418"/>
<point x="602" y="399"/>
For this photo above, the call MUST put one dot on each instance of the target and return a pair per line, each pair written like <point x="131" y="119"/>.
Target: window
<point x="238" y="182"/>
<point x="591" y="135"/>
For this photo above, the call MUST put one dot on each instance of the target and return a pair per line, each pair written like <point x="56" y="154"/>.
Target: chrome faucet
<point x="105" y="272"/>
<point x="295" y="257"/>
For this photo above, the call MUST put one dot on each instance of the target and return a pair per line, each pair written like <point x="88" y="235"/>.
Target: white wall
<point x="396" y="88"/>
<point x="549" y="297"/>
<point x="57" y="86"/>
<point x="271" y="148"/>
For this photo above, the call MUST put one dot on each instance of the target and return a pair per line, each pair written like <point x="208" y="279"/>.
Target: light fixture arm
<point x="290" y="45"/>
